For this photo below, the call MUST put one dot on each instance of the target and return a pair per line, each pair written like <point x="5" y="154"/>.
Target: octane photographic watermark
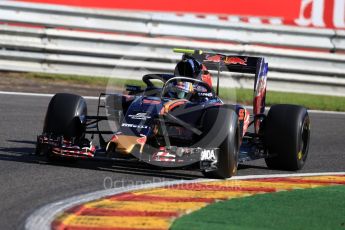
<point x="111" y="183"/>
<point x="124" y="183"/>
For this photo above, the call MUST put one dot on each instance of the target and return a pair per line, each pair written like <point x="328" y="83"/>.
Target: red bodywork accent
<point x="163" y="156"/>
<point x="171" y="105"/>
<point x="227" y="60"/>
<point x="114" y="138"/>
<point x="244" y="116"/>
<point x="151" y="102"/>
<point x="215" y="58"/>
<point x="258" y="101"/>
<point x="74" y="152"/>
<point x="235" y="61"/>
<point x="206" y="76"/>
<point x="246" y="121"/>
<point x="142" y="140"/>
<point x="258" y="104"/>
<point x="67" y="149"/>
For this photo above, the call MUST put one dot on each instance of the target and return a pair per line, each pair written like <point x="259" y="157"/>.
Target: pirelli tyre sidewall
<point x="286" y="136"/>
<point x="222" y="131"/>
<point x="66" y="116"/>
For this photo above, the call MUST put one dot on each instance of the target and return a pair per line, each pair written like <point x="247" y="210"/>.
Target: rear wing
<point x="239" y="64"/>
<point x="226" y="63"/>
<point x="214" y="61"/>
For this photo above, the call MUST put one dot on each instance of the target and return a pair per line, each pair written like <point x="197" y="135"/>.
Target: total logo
<point x="208" y="155"/>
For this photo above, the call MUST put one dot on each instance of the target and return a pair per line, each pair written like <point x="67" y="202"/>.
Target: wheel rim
<point x="237" y="148"/>
<point x="305" y="134"/>
<point x="236" y="152"/>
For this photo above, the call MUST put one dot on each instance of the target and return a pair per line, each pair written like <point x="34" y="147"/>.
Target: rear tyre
<point x="66" y="116"/>
<point x="222" y="131"/>
<point x="287" y="134"/>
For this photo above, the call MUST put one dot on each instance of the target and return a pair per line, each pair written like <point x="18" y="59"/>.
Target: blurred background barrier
<point x="69" y="40"/>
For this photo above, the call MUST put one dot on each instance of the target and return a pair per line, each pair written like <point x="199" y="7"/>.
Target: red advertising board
<point x="272" y="8"/>
<point x="322" y="13"/>
<point x="306" y="13"/>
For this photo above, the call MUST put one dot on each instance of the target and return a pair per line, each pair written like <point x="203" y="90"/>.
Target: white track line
<point x="38" y="95"/>
<point x="42" y="218"/>
<point x="96" y="98"/>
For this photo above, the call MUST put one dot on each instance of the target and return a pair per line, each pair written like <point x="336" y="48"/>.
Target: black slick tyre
<point x="65" y="117"/>
<point x="286" y="137"/>
<point x="222" y="129"/>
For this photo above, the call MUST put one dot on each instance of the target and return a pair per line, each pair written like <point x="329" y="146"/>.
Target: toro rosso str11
<point x="182" y="123"/>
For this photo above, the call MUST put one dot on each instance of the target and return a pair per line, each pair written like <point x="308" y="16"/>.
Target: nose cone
<point x="125" y="143"/>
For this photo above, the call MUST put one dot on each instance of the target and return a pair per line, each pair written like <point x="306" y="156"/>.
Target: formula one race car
<point x="182" y="124"/>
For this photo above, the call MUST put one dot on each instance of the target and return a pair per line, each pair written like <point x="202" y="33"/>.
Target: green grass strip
<point x="310" y="101"/>
<point x="314" y="209"/>
<point x="239" y="95"/>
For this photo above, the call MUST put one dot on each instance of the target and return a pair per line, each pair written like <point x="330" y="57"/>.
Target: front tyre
<point x="225" y="126"/>
<point x="65" y="117"/>
<point x="287" y="134"/>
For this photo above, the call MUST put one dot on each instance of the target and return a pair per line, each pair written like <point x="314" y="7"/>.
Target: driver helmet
<point x="183" y="89"/>
<point x="188" y="67"/>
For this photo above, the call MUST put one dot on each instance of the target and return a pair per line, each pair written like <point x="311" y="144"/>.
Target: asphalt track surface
<point x="28" y="182"/>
